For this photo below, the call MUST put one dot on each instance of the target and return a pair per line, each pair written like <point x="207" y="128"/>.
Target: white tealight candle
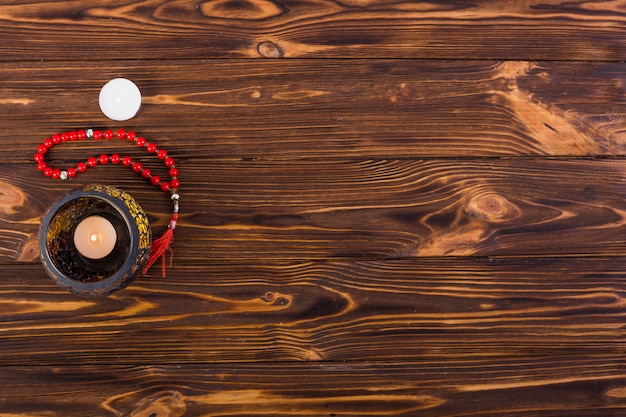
<point x="95" y="237"/>
<point x="120" y="99"/>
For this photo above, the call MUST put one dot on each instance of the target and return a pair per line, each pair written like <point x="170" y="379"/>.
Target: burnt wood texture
<point x="388" y="208"/>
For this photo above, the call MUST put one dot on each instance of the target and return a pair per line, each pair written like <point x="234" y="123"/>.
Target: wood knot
<point x="269" y="49"/>
<point x="251" y="10"/>
<point x="492" y="207"/>
<point x="29" y="251"/>
<point x="276" y="299"/>
<point x="11" y="198"/>
<point x="160" y="404"/>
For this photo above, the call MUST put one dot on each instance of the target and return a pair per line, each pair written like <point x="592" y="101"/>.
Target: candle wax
<point x="95" y="237"/>
<point x="120" y="99"/>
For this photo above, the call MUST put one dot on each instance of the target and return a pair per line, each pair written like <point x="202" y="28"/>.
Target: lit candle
<point x="95" y="237"/>
<point x="120" y="99"/>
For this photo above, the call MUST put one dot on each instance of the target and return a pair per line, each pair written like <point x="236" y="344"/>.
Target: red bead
<point x="174" y="216"/>
<point x="97" y="134"/>
<point x="92" y="162"/>
<point x="65" y="137"/>
<point x="137" y="167"/>
<point x="47" y="171"/>
<point x="155" y="180"/>
<point x="41" y="166"/>
<point x="175" y="183"/>
<point x="71" y="172"/>
<point x="165" y="186"/>
<point x="121" y="133"/>
<point x="104" y="159"/>
<point x="56" y="173"/>
<point x="141" y="141"/>
<point x="115" y="159"/>
<point x="56" y="139"/>
<point x="173" y="171"/>
<point x="48" y="143"/>
<point x="162" y="154"/>
<point x="72" y="135"/>
<point x="146" y="173"/>
<point x="81" y="134"/>
<point x="38" y="157"/>
<point x="108" y="134"/>
<point x="42" y="149"/>
<point x="127" y="161"/>
<point x="81" y="167"/>
<point x="151" y="147"/>
<point x="169" y="162"/>
<point x="131" y="135"/>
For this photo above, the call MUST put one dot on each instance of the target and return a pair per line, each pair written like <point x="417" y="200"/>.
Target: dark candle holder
<point x="95" y="277"/>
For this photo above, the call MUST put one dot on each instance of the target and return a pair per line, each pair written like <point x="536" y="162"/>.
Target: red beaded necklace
<point x="159" y="246"/>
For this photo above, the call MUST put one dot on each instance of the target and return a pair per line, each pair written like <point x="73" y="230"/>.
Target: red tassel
<point x="158" y="249"/>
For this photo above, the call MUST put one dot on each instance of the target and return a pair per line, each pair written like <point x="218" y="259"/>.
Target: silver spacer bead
<point x="175" y="196"/>
<point x="89" y="133"/>
<point x="175" y="207"/>
<point x="63" y="175"/>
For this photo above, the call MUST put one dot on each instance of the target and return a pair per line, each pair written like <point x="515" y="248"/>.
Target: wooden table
<point x="387" y="208"/>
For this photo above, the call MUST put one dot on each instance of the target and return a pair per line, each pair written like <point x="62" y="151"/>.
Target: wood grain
<point x="420" y="215"/>
<point x="322" y="312"/>
<point x="527" y="30"/>
<point x="550" y="386"/>
<point x="366" y="109"/>
<point x="292" y="210"/>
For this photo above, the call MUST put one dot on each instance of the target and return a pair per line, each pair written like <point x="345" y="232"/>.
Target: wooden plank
<point x="355" y="239"/>
<point x="331" y="108"/>
<point x="519" y="387"/>
<point x="536" y="29"/>
<point x="293" y="210"/>
<point x="433" y="309"/>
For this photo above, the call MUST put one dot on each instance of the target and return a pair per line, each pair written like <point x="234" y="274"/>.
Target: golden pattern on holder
<point x="133" y="207"/>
